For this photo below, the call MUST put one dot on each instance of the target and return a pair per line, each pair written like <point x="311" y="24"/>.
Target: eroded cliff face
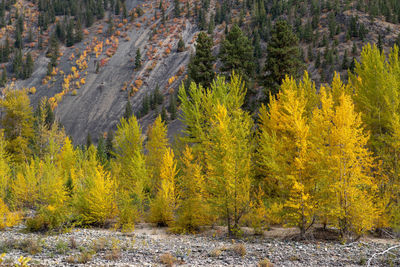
<point x="106" y="63"/>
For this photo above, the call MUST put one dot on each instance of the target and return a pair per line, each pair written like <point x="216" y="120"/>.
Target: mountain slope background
<point x="93" y="80"/>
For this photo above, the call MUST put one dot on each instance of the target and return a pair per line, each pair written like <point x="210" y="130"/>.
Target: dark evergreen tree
<point x="177" y="9"/>
<point x="172" y="107"/>
<point x="200" y="68"/>
<point x="283" y="57"/>
<point x="89" y="141"/>
<point x="117" y="7"/>
<point x="237" y="54"/>
<point x="380" y="43"/>
<point x="78" y="35"/>
<point x="345" y="61"/>
<point x="128" y="111"/>
<point x="164" y="114"/>
<point x="101" y="152"/>
<point x="110" y="144"/>
<point x="181" y="45"/>
<point x="3" y="80"/>
<point x="145" y="105"/>
<point x="50" y="117"/>
<point x="70" y="38"/>
<point x="18" y="64"/>
<point x="28" y="67"/>
<point x="138" y="59"/>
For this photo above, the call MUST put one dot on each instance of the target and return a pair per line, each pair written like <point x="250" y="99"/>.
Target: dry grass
<point x="99" y="244"/>
<point x="265" y="263"/>
<point x="114" y="254"/>
<point x="72" y="243"/>
<point x="84" y="257"/>
<point x="167" y="259"/>
<point x="239" y="249"/>
<point x="31" y="246"/>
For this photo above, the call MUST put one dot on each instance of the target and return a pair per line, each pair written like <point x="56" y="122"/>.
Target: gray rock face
<point x="100" y="103"/>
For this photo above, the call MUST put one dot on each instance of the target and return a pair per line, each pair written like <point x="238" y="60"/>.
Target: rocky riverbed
<point x="148" y="246"/>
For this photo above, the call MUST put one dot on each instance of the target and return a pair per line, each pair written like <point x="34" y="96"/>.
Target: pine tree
<point x="177" y="9"/>
<point x="181" y="45"/>
<point x="163" y="114"/>
<point x="101" y="151"/>
<point x="128" y="111"/>
<point x="138" y="59"/>
<point x="109" y="144"/>
<point x="380" y="44"/>
<point x="117" y="7"/>
<point x="200" y="68"/>
<point x="237" y="54"/>
<point x="78" y="36"/>
<point x="345" y="62"/>
<point x="89" y="141"/>
<point x="70" y="38"/>
<point x="172" y="107"/>
<point x="283" y="57"/>
<point x="3" y="80"/>
<point x="28" y="66"/>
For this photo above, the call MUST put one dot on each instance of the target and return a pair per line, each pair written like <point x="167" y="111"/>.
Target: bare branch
<point x="380" y="254"/>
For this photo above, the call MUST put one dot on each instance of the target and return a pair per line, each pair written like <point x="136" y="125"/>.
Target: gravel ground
<point x="148" y="246"/>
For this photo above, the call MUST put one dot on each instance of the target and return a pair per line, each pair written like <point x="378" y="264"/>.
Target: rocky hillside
<point x="93" y="80"/>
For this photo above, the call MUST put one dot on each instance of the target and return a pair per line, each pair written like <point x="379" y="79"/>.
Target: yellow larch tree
<point x="129" y="170"/>
<point x="376" y="87"/>
<point x="193" y="210"/>
<point x="350" y="164"/>
<point x="17" y="122"/>
<point x="95" y="193"/>
<point x="67" y="161"/>
<point x="284" y="152"/>
<point x="156" y="146"/>
<point x="163" y="207"/>
<point x="24" y="187"/>
<point x="198" y="105"/>
<point x="321" y="143"/>
<point x="5" y="171"/>
<point x="228" y="155"/>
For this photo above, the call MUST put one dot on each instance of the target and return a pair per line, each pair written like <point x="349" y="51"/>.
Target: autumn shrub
<point x="48" y="218"/>
<point x="8" y="218"/>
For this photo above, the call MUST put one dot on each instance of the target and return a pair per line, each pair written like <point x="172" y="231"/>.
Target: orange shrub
<point x="138" y="83"/>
